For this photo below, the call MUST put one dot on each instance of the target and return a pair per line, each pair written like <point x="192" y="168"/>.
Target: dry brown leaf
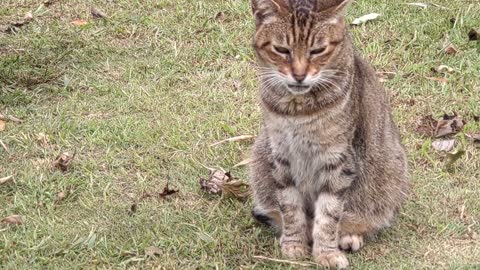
<point x="222" y="183"/>
<point x="15" y="26"/>
<point x="474" y="137"/>
<point x="5" y="180"/>
<point x="13" y="220"/>
<point x="441" y="80"/>
<point x="79" y="22"/>
<point x="451" y="49"/>
<point x="385" y="76"/>
<point x="444" y="145"/>
<point x="133" y="209"/>
<point x="474" y="34"/>
<point x="153" y="251"/>
<point x="98" y="14"/>
<point x="48" y="3"/>
<point x="243" y="162"/>
<point x="167" y="192"/>
<point x="63" y="161"/>
<point x="451" y="124"/>
<point x="220" y="16"/>
<point x="234" y="139"/>
<point x="426" y="126"/>
<point x="2" y="125"/>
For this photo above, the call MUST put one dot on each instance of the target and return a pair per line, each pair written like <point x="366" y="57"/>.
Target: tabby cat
<point x="328" y="167"/>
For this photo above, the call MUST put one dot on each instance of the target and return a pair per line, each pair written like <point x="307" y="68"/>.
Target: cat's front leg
<point x="325" y="233"/>
<point x="294" y="239"/>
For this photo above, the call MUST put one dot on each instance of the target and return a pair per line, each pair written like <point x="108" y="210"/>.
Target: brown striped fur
<point x="328" y="165"/>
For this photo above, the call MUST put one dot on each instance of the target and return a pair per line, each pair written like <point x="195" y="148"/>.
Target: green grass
<point x="141" y="96"/>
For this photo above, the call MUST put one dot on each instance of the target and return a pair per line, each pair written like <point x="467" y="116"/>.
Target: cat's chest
<point x="307" y="145"/>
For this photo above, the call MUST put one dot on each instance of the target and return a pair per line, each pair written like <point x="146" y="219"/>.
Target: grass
<point x="140" y="97"/>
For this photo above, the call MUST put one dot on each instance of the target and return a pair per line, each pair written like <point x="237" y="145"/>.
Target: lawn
<point x="140" y="96"/>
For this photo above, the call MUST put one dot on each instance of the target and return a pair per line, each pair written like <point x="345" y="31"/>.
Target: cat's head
<point x="300" y="43"/>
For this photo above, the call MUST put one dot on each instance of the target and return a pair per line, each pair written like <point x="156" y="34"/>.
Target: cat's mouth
<point x="298" y="89"/>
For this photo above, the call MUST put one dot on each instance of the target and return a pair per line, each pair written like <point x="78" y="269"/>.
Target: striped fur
<point x="328" y="166"/>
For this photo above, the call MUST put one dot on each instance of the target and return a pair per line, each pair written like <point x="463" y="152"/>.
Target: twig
<point x="304" y="264"/>
<point x="10" y="118"/>
<point x="243" y="162"/>
<point x="4" y="146"/>
<point x="234" y="139"/>
<point x="5" y="179"/>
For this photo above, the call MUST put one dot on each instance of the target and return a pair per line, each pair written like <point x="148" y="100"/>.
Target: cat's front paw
<point x="351" y="242"/>
<point x="331" y="259"/>
<point x="294" y="250"/>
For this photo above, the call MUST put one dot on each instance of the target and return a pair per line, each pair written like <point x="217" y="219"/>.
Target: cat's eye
<point x="318" y="51"/>
<point x="282" y="50"/>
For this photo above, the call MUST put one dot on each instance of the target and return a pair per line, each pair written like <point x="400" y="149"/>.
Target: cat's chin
<point x="298" y="90"/>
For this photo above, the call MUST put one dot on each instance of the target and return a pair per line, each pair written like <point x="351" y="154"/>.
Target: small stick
<point x="5" y="179"/>
<point x="10" y="118"/>
<point x="4" y="146"/>
<point x="304" y="264"/>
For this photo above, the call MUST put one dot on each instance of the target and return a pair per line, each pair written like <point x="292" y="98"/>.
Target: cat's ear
<point x="267" y="9"/>
<point x="333" y="8"/>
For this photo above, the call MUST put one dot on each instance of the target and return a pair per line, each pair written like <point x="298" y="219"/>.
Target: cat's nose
<point x="299" y="77"/>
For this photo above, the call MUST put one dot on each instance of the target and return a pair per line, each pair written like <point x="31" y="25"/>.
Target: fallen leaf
<point x="426" y="126"/>
<point x="453" y="157"/>
<point x="15" y="26"/>
<point x="5" y="180"/>
<point x="220" y="16"/>
<point x="2" y="125"/>
<point x="451" y="49"/>
<point x="167" y="192"/>
<point x="63" y="161"/>
<point x="421" y="5"/>
<point x="234" y="139"/>
<point x="97" y="14"/>
<point x="449" y="125"/>
<point x="243" y="162"/>
<point x="442" y="69"/>
<point x="474" y="137"/>
<point x="221" y="183"/>
<point x="442" y="80"/>
<point x="13" y="220"/>
<point x="79" y="22"/>
<point x="153" y="251"/>
<point x="444" y="145"/>
<point x="48" y="3"/>
<point x="133" y="209"/>
<point x="385" y="76"/>
<point x="366" y="18"/>
<point x="473" y="34"/>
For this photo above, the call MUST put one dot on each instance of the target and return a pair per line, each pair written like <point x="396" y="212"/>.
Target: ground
<point x="141" y="96"/>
